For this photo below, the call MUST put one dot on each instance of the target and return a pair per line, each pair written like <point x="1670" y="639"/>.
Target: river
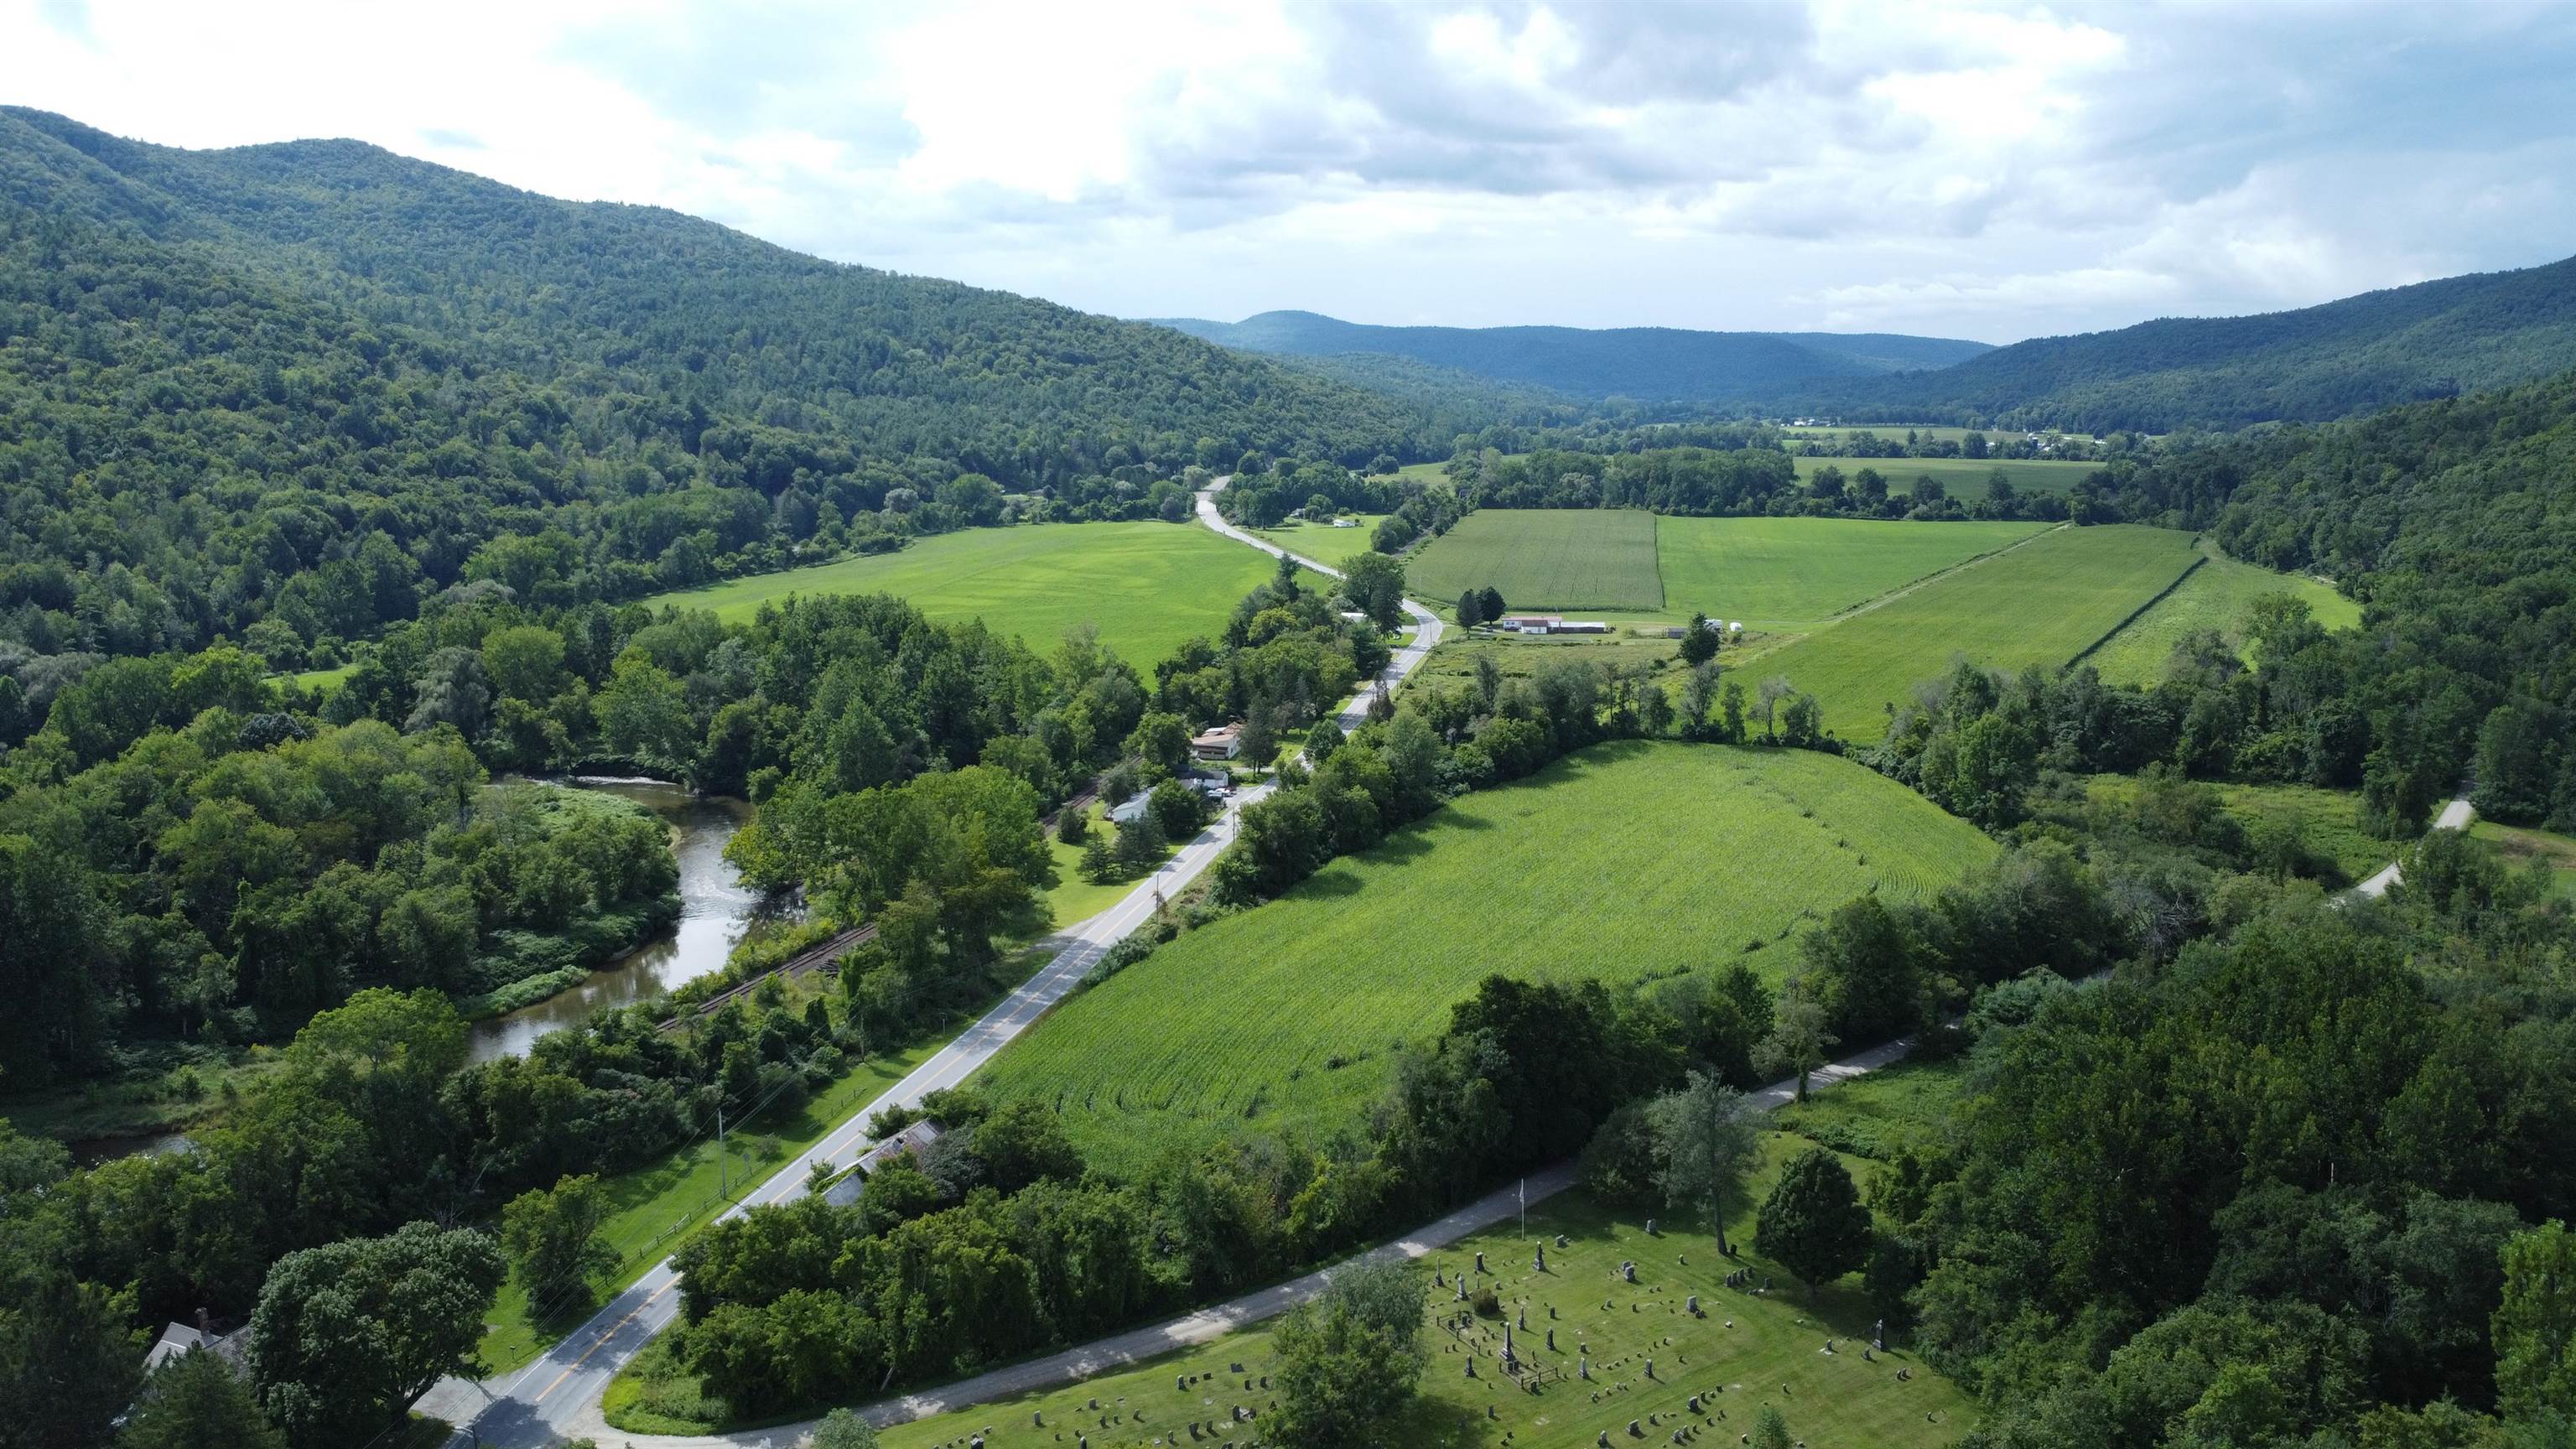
<point x="715" y="911"/>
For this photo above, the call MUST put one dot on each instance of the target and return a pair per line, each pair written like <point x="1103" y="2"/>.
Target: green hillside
<point x="288" y="392"/>
<point x="1648" y="364"/>
<point x="2433" y="339"/>
<point x="1625" y="861"/>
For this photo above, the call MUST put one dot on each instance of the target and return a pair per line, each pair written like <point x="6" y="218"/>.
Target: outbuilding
<point x="1222" y="743"/>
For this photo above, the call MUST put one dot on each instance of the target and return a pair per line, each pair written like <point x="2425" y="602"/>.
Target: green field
<point x="1148" y="586"/>
<point x="2042" y="603"/>
<point x="1546" y="558"/>
<point x="1322" y="542"/>
<point x="2213" y="597"/>
<point x="1625" y="861"/>
<point x="1792" y="573"/>
<point x="1964" y="477"/>
<point x="2520" y="845"/>
<point x="1749" y="1350"/>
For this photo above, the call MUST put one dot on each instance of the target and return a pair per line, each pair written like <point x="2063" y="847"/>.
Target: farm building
<point x="1529" y="623"/>
<point x="1222" y="743"/>
<point x="1580" y="626"/>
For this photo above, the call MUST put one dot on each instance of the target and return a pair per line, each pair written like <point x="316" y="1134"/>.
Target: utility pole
<point x="720" y="1147"/>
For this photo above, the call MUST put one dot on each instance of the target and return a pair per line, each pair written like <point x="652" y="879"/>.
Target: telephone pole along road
<point x="543" y="1403"/>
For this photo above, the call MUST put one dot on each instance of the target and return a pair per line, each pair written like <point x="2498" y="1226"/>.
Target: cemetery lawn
<point x="1796" y="573"/>
<point x="1772" y="1354"/>
<point x="1964" y="478"/>
<point x="1325" y="544"/>
<point x="1550" y="559"/>
<point x="2043" y="603"/>
<point x="1626" y="861"/>
<point x="1148" y="586"/>
<point x="2214" y="596"/>
<point x="2520" y="845"/>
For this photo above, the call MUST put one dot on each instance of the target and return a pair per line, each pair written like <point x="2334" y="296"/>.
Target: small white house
<point x="1529" y="623"/>
<point x="1346" y="523"/>
<point x="1129" y="810"/>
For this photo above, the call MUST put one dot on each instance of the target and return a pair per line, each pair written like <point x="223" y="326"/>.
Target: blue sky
<point x="1973" y="170"/>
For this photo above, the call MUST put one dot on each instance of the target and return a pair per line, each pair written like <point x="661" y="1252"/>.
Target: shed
<point x="1129" y="810"/>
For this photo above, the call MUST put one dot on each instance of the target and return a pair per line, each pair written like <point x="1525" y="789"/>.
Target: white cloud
<point x="1984" y="169"/>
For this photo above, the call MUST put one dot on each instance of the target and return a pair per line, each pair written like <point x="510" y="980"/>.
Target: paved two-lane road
<point x="1426" y="625"/>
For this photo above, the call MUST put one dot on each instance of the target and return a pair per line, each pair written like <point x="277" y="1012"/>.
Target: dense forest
<point x="2316" y="364"/>
<point x="283" y="394"/>
<point x="1651" y="365"/>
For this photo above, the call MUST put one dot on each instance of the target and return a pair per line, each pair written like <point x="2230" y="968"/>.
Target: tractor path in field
<point x="558" y="1396"/>
<point x="1894" y="594"/>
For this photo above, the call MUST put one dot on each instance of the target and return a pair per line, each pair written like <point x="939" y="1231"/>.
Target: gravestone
<point x="1692" y="1307"/>
<point x="1878" y="1336"/>
<point x="1628" y="1271"/>
<point x="1650" y="1227"/>
<point x="1480" y="1260"/>
<point x="1542" y="1257"/>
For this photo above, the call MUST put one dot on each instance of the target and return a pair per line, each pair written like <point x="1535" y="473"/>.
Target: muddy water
<point x="715" y="911"/>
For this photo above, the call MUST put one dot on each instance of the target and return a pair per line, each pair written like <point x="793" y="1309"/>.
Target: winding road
<point x="558" y="1396"/>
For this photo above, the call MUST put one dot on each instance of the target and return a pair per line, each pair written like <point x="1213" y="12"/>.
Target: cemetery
<point x="1582" y="1327"/>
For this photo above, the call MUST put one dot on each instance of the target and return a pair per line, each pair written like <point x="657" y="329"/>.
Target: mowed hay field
<point x="1625" y="861"/>
<point x="1545" y="558"/>
<point x="2214" y="596"/>
<point x="1749" y="1349"/>
<point x="2042" y="603"/>
<point x="1793" y="573"/>
<point x="1148" y="586"/>
<point x="1965" y="478"/>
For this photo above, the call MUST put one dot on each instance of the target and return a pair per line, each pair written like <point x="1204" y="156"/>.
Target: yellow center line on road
<point x="597" y="1344"/>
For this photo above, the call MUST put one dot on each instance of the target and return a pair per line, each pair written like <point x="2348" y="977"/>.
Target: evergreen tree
<point x="1813" y="1222"/>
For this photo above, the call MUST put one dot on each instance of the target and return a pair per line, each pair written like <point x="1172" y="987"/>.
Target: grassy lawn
<point x="1965" y="478"/>
<point x="2043" y="603"/>
<point x="657" y="1207"/>
<point x="323" y="680"/>
<point x="1148" y="586"/>
<point x="1627" y="861"/>
<point x="1546" y="558"/>
<point x="2215" y="596"/>
<point x="1322" y="542"/>
<point x="1792" y="573"/>
<point x="1075" y="899"/>
<point x="2520" y="845"/>
<point x="1523" y="655"/>
<point x="1749" y="1350"/>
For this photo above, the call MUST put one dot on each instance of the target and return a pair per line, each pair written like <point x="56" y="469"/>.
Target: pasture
<point x="1794" y="573"/>
<point x="1546" y="558"/>
<point x="1626" y="861"/>
<point x="2042" y="603"/>
<point x="2214" y="596"/>
<point x="1325" y="544"/>
<point x="1965" y="478"/>
<point x="1749" y="1349"/>
<point x="1147" y="586"/>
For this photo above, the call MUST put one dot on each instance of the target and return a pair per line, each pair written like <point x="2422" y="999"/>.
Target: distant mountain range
<point x="1649" y="364"/>
<point x="2356" y="355"/>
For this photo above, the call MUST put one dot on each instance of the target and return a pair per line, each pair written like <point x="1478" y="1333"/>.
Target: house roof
<point x="905" y="1143"/>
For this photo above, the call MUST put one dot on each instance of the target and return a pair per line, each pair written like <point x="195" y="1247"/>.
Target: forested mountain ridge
<point x="1649" y="364"/>
<point x="225" y="372"/>
<point x="2315" y="364"/>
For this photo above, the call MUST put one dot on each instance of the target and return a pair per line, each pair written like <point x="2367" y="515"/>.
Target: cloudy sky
<point x="1973" y="170"/>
